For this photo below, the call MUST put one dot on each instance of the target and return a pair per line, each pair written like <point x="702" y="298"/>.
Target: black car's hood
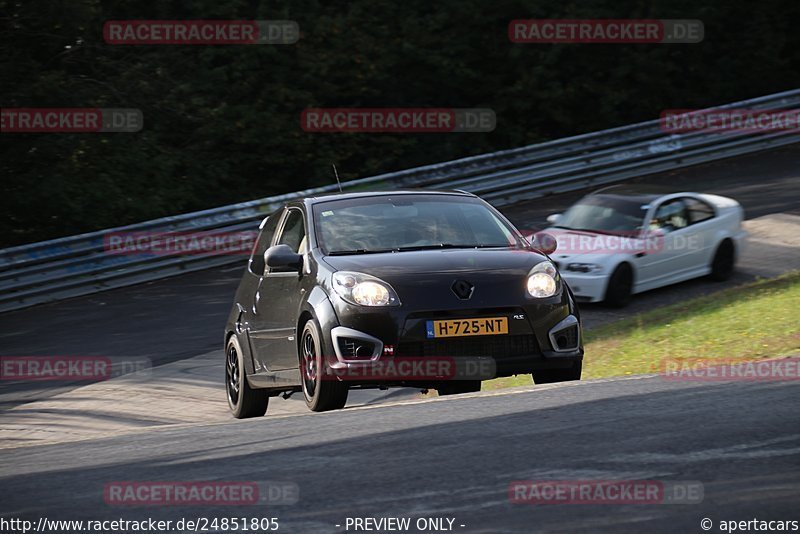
<point x="450" y="261"/>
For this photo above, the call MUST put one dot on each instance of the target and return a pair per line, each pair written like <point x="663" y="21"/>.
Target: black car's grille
<point x="497" y="347"/>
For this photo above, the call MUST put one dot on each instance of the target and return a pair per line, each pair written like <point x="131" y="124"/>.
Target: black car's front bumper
<point x="542" y="334"/>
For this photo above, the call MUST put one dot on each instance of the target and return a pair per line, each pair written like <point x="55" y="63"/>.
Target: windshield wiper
<point x="428" y="247"/>
<point x="360" y="251"/>
<point x="410" y="248"/>
<point x="448" y="245"/>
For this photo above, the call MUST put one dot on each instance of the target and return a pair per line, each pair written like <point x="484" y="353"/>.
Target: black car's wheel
<point x="550" y="376"/>
<point x="722" y="264"/>
<point x="620" y="287"/>
<point x="321" y="395"/>
<point x="457" y="387"/>
<point x="242" y="399"/>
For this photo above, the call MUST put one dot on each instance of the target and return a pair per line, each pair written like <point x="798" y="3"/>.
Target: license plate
<point x="485" y="326"/>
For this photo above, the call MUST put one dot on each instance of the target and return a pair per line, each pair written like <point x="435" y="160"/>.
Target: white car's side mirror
<point x="554" y="218"/>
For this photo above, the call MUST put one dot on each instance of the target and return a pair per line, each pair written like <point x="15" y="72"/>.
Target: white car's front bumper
<point x="740" y="242"/>
<point x="586" y="287"/>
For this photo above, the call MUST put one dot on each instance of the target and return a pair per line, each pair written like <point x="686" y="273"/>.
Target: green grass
<point x="749" y="322"/>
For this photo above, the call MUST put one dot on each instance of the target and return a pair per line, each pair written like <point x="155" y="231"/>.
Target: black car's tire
<point x="242" y="399"/>
<point x="456" y="387"/>
<point x="620" y="287"/>
<point x="723" y="262"/>
<point x="550" y="376"/>
<point x="321" y="395"/>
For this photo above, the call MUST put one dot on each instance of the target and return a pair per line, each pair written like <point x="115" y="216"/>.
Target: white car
<point x="613" y="244"/>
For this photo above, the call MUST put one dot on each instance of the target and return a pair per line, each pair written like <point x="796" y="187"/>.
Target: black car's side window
<point x="294" y="232"/>
<point x="698" y="210"/>
<point x="670" y="216"/>
<point x="256" y="263"/>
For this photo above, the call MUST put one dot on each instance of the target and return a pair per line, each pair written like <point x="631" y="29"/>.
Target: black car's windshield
<point x="408" y="222"/>
<point x="605" y="214"/>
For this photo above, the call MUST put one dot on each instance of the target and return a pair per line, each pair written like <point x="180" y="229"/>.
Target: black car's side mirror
<point x="282" y="256"/>
<point x="544" y="242"/>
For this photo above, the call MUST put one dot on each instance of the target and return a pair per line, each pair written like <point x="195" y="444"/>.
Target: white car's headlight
<point x="543" y="280"/>
<point x="584" y="267"/>
<point x="364" y="290"/>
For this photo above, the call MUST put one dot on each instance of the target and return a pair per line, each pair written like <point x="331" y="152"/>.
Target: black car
<point x="342" y="290"/>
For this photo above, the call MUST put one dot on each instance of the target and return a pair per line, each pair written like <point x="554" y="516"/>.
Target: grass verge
<point x="753" y="321"/>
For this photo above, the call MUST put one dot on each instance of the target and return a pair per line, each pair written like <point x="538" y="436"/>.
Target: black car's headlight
<point x="543" y="280"/>
<point x="363" y="289"/>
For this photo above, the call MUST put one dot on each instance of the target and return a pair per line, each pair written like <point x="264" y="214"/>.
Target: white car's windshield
<point x="605" y="213"/>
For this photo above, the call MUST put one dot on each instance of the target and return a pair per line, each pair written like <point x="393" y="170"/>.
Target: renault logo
<point x="462" y="289"/>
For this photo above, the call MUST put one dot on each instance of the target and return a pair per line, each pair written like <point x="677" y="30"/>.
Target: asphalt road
<point x="455" y="457"/>
<point x="181" y="317"/>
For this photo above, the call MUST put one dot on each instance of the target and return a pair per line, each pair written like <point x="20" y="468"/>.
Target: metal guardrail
<point x="79" y="265"/>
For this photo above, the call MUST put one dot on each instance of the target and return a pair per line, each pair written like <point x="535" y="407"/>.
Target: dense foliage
<point x="222" y="123"/>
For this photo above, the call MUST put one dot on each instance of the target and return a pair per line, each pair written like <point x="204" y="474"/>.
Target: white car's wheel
<point x="723" y="262"/>
<point x="620" y="287"/>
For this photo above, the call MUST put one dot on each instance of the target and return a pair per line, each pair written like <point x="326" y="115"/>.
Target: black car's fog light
<point x="566" y="335"/>
<point x="356" y="349"/>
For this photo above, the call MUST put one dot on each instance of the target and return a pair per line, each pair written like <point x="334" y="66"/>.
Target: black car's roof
<point x="365" y="194"/>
